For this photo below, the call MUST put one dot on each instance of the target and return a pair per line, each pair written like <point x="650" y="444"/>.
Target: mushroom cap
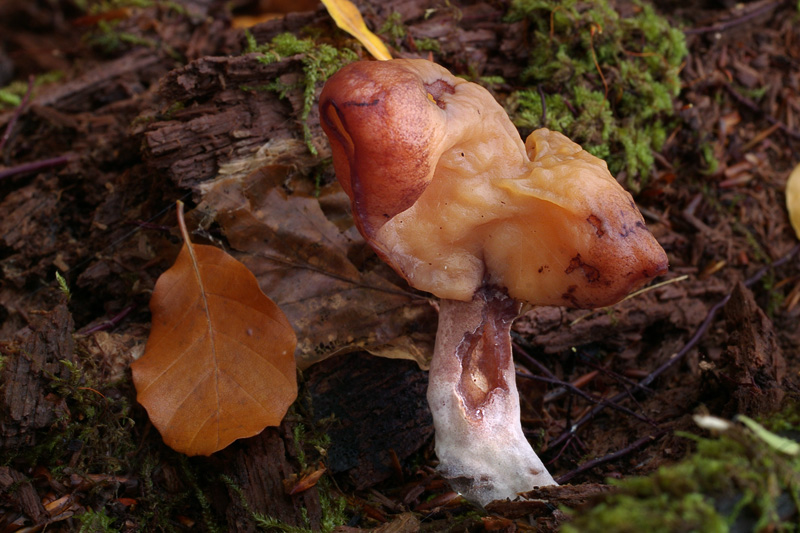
<point x="444" y="190"/>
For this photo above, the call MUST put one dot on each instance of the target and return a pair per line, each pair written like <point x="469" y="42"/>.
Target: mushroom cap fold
<point x="445" y="191"/>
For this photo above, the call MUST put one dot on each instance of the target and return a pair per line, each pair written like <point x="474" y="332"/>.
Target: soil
<point x="149" y="109"/>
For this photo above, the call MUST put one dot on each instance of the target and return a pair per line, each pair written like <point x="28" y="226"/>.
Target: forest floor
<point x="107" y="118"/>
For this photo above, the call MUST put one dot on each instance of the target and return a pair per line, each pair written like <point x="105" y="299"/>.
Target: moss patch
<point x="320" y="61"/>
<point x="737" y="481"/>
<point x="12" y="94"/>
<point x="605" y="81"/>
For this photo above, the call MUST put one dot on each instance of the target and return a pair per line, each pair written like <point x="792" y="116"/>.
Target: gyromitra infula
<point x="444" y="190"/>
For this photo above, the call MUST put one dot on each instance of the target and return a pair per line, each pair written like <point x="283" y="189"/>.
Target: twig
<point x="749" y="282"/>
<point x="586" y="396"/>
<point x="544" y="105"/>
<point x="17" y="113"/>
<point x="634" y="294"/>
<point x="552" y="379"/>
<point x="610" y="457"/>
<point x="35" y="166"/>
<point x="592" y="31"/>
<point x="111" y="322"/>
<point x="728" y="24"/>
<point x="145" y="224"/>
<point x="610" y="373"/>
<point x="701" y="330"/>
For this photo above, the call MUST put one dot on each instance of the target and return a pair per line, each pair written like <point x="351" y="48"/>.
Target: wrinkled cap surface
<point x="445" y="191"/>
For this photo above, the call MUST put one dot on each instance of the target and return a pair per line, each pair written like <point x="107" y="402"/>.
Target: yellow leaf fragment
<point x="793" y="199"/>
<point x="348" y="18"/>
<point x="219" y="362"/>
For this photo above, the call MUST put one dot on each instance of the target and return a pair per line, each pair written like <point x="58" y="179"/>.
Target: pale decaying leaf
<point x="348" y="18"/>
<point x="781" y="444"/>
<point x="219" y="361"/>
<point x="302" y="261"/>
<point x="793" y="199"/>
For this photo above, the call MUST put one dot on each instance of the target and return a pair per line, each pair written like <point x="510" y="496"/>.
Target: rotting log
<point x="256" y="469"/>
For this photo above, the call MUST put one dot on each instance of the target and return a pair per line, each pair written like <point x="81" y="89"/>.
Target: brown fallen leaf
<point x="303" y="261"/>
<point x="297" y="484"/>
<point x="219" y="362"/>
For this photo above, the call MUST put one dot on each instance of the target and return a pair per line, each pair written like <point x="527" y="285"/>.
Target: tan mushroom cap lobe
<point x="444" y="189"/>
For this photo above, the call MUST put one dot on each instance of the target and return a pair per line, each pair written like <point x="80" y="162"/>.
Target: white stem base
<point x="473" y="397"/>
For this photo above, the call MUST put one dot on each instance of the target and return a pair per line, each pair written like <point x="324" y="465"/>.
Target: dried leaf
<point x="297" y="484"/>
<point x="348" y="18"/>
<point x="793" y="199"/>
<point x="219" y="362"/>
<point x="302" y="260"/>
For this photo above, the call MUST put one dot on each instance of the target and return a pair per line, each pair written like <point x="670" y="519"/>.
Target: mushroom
<point x="444" y="190"/>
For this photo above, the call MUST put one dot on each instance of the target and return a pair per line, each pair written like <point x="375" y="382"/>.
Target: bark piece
<point x="32" y="362"/>
<point x="555" y="330"/>
<point x="15" y="487"/>
<point x="27" y="217"/>
<point x="752" y="365"/>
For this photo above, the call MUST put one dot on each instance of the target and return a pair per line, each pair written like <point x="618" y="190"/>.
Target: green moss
<point x="11" y="95"/>
<point x="95" y="522"/>
<point x="96" y="7"/>
<point x="63" y="286"/>
<point x="333" y="507"/>
<point x="737" y="480"/>
<point x="785" y="421"/>
<point x="428" y="45"/>
<point x="93" y="433"/>
<point x="608" y="82"/>
<point x="710" y="160"/>
<point x="109" y="38"/>
<point x="488" y="81"/>
<point x="332" y="510"/>
<point x="310" y="442"/>
<point x="299" y="432"/>
<point x="319" y="60"/>
<point x="393" y="27"/>
<point x="107" y="33"/>
<point x="9" y="98"/>
<point x="157" y="507"/>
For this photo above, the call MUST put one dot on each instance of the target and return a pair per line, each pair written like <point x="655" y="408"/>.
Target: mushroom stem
<point x="473" y="397"/>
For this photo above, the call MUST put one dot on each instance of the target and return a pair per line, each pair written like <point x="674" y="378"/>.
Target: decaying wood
<point x="257" y="468"/>
<point x="752" y="365"/>
<point x="16" y="487"/>
<point x="545" y="500"/>
<point x="380" y="413"/>
<point x="33" y="359"/>
<point x="26" y="213"/>
<point x="403" y="523"/>
<point x="228" y="116"/>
